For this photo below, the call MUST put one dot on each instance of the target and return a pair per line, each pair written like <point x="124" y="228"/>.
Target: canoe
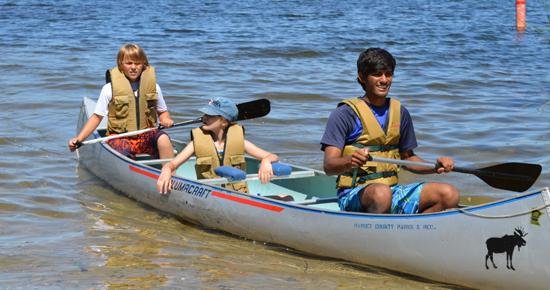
<point x="503" y="244"/>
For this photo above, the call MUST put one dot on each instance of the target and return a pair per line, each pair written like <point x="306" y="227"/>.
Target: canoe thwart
<point x="281" y="169"/>
<point x="231" y="173"/>
<point x="251" y="177"/>
<point x="234" y="174"/>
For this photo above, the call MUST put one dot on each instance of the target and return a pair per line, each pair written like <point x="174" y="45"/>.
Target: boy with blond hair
<point x="132" y="101"/>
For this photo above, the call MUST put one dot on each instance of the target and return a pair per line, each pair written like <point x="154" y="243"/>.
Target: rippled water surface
<point x="477" y="90"/>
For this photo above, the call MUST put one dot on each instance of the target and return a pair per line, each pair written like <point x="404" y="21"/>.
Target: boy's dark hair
<point x="375" y="59"/>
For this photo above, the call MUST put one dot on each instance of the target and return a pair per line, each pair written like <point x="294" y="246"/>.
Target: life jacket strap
<point x="383" y="174"/>
<point x="376" y="148"/>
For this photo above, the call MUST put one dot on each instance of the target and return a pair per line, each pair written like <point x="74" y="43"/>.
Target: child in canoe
<point x="131" y="101"/>
<point x="219" y="142"/>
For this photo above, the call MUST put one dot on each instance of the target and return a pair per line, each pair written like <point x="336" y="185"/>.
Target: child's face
<point x="132" y="68"/>
<point x="213" y="123"/>
<point x="378" y="84"/>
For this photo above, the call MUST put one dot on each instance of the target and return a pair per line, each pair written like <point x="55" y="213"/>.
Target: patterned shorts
<point x="145" y="143"/>
<point x="405" y="198"/>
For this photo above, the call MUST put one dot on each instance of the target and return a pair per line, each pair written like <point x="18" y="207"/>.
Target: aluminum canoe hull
<point x="450" y="247"/>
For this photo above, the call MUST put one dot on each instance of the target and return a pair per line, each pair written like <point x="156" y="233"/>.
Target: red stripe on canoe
<point x="218" y="194"/>
<point x="143" y="172"/>
<point x="247" y="201"/>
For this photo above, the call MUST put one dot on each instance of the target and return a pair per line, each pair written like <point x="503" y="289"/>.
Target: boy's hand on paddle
<point x="444" y="164"/>
<point x="166" y="122"/>
<point x="73" y="144"/>
<point x="359" y="157"/>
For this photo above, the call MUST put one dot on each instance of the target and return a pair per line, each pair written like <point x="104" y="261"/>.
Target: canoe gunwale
<point x="468" y="210"/>
<point x="455" y="211"/>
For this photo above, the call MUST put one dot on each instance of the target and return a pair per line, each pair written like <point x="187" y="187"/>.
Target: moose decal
<point x="505" y="244"/>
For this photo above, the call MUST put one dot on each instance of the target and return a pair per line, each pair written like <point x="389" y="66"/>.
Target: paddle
<point x="509" y="176"/>
<point x="248" y="110"/>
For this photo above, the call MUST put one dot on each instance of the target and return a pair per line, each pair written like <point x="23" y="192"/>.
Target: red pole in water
<point x="520" y="15"/>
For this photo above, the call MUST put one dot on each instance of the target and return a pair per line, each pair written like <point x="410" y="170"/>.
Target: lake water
<point x="477" y="90"/>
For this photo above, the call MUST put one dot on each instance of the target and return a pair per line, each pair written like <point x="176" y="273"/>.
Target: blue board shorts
<point x="405" y="198"/>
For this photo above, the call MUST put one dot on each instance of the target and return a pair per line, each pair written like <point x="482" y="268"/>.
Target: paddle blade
<point x="512" y="176"/>
<point x="253" y="109"/>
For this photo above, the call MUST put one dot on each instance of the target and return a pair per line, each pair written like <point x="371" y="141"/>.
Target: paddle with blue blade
<point x="512" y="176"/>
<point x="248" y="110"/>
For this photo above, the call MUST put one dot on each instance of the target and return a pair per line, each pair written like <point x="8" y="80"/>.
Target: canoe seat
<point x="280" y="170"/>
<point x="279" y="185"/>
<point x="140" y="157"/>
<point x="153" y="161"/>
<point x="318" y="201"/>
<point x="148" y="159"/>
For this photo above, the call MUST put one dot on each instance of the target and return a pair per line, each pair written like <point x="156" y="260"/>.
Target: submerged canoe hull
<point x="450" y="246"/>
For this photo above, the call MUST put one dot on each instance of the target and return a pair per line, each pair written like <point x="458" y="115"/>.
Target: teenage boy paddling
<point x="133" y="101"/>
<point x="379" y="126"/>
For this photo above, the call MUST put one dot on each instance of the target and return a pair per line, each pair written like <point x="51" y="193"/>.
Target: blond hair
<point x="133" y="52"/>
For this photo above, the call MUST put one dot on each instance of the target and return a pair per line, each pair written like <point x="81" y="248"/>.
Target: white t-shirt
<point x="102" y="106"/>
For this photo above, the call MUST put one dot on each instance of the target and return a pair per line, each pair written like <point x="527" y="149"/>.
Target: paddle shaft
<point x="198" y="120"/>
<point x="248" y="110"/>
<point x="402" y="162"/>
<point x="473" y="171"/>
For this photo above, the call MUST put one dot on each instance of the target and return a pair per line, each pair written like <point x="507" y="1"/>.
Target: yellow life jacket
<point x="380" y="144"/>
<point x="208" y="158"/>
<point x="124" y="114"/>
